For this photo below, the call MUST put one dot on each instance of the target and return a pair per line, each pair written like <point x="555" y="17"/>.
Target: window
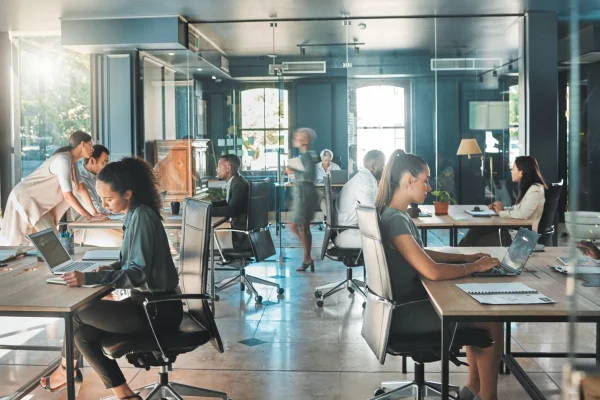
<point x="264" y="128"/>
<point x="513" y="123"/>
<point x="55" y="98"/>
<point x="381" y="120"/>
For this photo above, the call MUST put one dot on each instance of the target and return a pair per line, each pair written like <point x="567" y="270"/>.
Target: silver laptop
<point x="517" y="255"/>
<point x="55" y="255"/>
<point x="338" y="177"/>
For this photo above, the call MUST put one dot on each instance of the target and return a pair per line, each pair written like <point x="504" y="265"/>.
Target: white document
<point x="482" y="213"/>
<point x="504" y="293"/>
<point x="523" y="298"/>
<point x="570" y="269"/>
<point x="495" y="288"/>
<point x="101" y="255"/>
<point x="7" y="255"/>
<point x="296" y="164"/>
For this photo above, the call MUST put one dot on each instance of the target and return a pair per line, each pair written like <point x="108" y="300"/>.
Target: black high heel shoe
<point x="78" y="380"/>
<point x="305" y="266"/>
<point x="133" y="396"/>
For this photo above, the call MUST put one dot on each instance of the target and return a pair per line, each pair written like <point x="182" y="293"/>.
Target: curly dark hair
<point x="136" y="175"/>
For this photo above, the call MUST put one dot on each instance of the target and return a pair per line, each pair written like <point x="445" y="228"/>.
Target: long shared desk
<point x="453" y="306"/>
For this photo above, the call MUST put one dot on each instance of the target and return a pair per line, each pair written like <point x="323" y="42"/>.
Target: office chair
<point x="546" y="227"/>
<point x="158" y="349"/>
<point x="351" y="258"/>
<point x="261" y="243"/>
<point x="378" y="318"/>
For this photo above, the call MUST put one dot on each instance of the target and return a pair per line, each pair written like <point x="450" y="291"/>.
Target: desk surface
<point x="318" y="184"/>
<point x="458" y="217"/>
<point x="24" y="288"/>
<point x="451" y="301"/>
<point x="170" y="222"/>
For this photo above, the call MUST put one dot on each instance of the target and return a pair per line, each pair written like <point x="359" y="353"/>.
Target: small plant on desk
<point x="444" y="200"/>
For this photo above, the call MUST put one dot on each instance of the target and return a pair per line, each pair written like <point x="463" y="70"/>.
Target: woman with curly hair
<point x="145" y="266"/>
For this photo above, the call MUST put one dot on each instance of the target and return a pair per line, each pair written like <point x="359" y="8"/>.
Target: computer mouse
<point x="476" y="209"/>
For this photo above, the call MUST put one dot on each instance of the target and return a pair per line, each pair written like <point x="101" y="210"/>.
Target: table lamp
<point x="469" y="147"/>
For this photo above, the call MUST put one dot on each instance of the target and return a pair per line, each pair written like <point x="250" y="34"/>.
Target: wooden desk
<point x="453" y="305"/>
<point x="170" y="222"/>
<point x="25" y="293"/>
<point x="458" y="218"/>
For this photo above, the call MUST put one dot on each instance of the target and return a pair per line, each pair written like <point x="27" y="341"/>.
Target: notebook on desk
<point x="504" y="293"/>
<point x="481" y="213"/>
<point x="102" y="255"/>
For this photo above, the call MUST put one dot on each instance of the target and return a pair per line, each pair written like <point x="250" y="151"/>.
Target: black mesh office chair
<point x="546" y="227"/>
<point x="198" y="326"/>
<point x="350" y="257"/>
<point x="378" y="318"/>
<point x="261" y="243"/>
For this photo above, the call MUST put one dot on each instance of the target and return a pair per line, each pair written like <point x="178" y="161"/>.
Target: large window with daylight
<point x="264" y="122"/>
<point x="380" y="119"/>
<point x="55" y="98"/>
<point x="513" y="123"/>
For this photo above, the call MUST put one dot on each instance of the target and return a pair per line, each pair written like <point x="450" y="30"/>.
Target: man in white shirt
<point x="362" y="189"/>
<point x="325" y="166"/>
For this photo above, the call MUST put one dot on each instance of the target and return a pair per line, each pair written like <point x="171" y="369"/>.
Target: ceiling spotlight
<point x="357" y="50"/>
<point x="480" y="78"/>
<point x="495" y="73"/>
<point x="214" y="77"/>
<point x="302" y="51"/>
<point x="198" y="69"/>
<point x="171" y="54"/>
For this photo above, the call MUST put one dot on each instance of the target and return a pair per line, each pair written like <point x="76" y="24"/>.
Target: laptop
<point x="338" y="177"/>
<point x="55" y="255"/>
<point x="517" y="255"/>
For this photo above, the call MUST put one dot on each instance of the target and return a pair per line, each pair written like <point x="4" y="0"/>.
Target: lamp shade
<point x="468" y="147"/>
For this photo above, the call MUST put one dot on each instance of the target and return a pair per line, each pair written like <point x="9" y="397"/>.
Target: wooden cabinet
<point x="182" y="167"/>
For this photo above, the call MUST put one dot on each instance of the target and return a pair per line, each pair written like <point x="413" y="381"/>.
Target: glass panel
<point x="55" y="96"/>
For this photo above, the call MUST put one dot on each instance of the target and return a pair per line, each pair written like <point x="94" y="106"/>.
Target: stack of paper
<point x="504" y="293"/>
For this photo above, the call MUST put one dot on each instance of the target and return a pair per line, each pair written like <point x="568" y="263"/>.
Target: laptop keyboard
<point x="77" y="266"/>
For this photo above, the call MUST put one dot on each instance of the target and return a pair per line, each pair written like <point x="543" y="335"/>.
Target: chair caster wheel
<point x="379" y="392"/>
<point x="318" y="294"/>
<point x="217" y="297"/>
<point x="320" y="303"/>
<point x="258" y="299"/>
<point x="364" y="305"/>
<point x="280" y="290"/>
<point x="351" y="290"/>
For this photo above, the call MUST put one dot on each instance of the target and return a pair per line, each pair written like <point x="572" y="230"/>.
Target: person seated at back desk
<point x="326" y="165"/>
<point x="362" y="188"/>
<point x="235" y="205"/>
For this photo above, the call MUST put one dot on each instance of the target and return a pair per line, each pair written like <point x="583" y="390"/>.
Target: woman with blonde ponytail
<point x="41" y="199"/>
<point x="405" y="180"/>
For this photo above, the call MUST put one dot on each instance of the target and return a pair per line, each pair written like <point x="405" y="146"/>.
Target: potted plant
<point x="444" y="199"/>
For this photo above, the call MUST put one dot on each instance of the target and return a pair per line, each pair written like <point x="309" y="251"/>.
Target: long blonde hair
<point x="399" y="164"/>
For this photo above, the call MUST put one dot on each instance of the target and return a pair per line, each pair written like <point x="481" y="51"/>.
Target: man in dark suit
<point x="235" y="205"/>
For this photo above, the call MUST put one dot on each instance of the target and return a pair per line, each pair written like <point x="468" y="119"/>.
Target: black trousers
<point x="486" y="237"/>
<point x="118" y="317"/>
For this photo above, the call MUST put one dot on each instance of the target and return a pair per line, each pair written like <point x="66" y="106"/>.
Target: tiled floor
<point x="305" y="352"/>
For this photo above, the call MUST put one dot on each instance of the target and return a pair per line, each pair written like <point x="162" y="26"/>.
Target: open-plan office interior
<point x="471" y="87"/>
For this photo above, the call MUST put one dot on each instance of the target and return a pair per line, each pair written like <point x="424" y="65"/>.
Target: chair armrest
<point x="343" y="227"/>
<point x="173" y="297"/>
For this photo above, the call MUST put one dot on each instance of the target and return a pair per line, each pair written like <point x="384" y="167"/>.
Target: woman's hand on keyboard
<point x="74" y="278"/>
<point x="471" y="258"/>
<point x="486" y="263"/>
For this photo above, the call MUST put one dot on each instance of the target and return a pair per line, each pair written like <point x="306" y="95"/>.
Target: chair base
<point x="419" y="389"/>
<point x="246" y="281"/>
<point x="350" y="284"/>
<point x="165" y="389"/>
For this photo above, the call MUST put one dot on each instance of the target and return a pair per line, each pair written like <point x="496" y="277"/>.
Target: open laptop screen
<point x="50" y="247"/>
<point x="520" y="249"/>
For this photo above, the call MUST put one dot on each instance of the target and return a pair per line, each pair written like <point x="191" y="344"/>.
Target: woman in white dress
<point x="40" y="200"/>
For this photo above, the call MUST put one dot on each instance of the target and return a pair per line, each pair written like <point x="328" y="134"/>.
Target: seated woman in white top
<point x="41" y="199"/>
<point x="326" y="165"/>
<point x="530" y="204"/>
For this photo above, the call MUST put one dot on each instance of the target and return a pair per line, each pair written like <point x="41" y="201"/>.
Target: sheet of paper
<point x="483" y="288"/>
<point x="296" y="164"/>
<point x="525" y="298"/>
<point x="101" y="255"/>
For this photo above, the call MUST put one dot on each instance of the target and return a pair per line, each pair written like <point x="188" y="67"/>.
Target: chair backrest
<point x="330" y="210"/>
<point x="258" y="205"/>
<point x="258" y="220"/>
<point x="380" y="298"/>
<point x="193" y="263"/>
<point x="553" y="194"/>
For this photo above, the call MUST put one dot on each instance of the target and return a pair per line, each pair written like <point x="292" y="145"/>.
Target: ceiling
<point x="44" y="15"/>
<point x="465" y="37"/>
